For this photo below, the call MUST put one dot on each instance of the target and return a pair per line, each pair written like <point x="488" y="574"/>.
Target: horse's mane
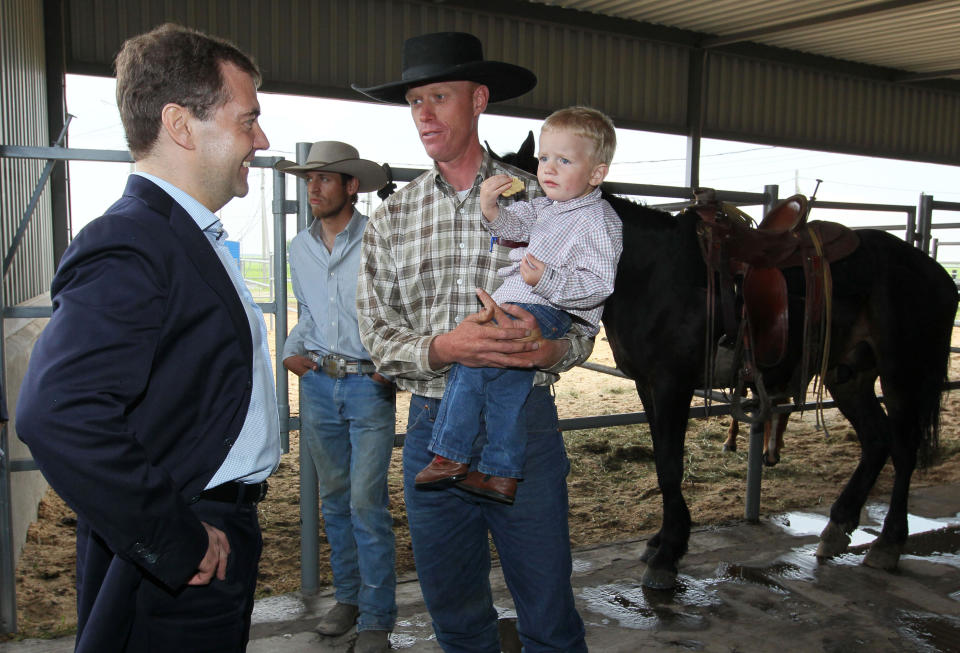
<point x="632" y="212"/>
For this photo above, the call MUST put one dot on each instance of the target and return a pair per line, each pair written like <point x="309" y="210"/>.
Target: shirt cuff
<point x="579" y="350"/>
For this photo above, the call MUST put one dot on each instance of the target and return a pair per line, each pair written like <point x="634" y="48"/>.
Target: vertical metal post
<point x="751" y="510"/>
<point x="924" y="222"/>
<point x="911" y="235"/>
<point x="280" y="302"/>
<point x="771" y="194"/>
<point x="309" y="495"/>
<point x="695" y="94"/>
<point x="933" y="250"/>
<point x="8" y="587"/>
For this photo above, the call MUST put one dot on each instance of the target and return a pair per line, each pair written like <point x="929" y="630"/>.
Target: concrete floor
<point x="746" y="587"/>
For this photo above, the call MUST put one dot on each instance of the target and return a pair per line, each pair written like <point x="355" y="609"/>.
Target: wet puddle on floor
<point x="930" y="633"/>
<point x="410" y="633"/>
<point x="634" y="606"/>
<point x="805" y="523"/>
<point x="934" y="540"/>
<point x="285" y="607"/>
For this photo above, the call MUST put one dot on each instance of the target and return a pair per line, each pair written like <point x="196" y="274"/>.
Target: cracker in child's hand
<point x="515" y="187"/>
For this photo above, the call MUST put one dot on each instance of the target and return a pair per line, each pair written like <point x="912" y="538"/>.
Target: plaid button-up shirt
<point x="425" y="251"/>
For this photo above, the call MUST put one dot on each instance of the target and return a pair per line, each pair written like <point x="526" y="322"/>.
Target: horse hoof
<point x="770" y="461"/>
<point x="648" y="553"/>
<point x="659" y="579"/>
<point x="729" y="447"/>
<point x="833" y="541"/>
<point x="882" y="555"/>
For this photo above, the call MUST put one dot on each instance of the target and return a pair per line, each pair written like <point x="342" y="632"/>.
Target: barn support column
<point x="8" y="579"/>
<point x="771" y="195"/>
<point x="309" y="489"/>
<point x="55" y="51"/>
<point x="924" y="222"/>
<point x="751" y="510"/>
<point x="696" y="80"/>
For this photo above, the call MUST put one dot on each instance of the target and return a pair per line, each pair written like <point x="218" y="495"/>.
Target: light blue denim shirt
<point x="325" y="284"/>
<point x="256" y="451"/>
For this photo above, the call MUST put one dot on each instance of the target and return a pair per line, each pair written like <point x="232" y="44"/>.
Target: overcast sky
<point x="385" y="133"/>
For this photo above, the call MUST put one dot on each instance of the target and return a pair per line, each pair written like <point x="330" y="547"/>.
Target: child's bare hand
<point x="490" y="190"/>
<point x="531" y="270"/>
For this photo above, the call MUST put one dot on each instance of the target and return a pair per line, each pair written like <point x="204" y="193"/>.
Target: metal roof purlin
<point x="718" y="41"/>
<point x="933" y="74"/>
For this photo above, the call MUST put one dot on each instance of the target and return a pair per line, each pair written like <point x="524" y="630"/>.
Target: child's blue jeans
<point x="495" y="395"/>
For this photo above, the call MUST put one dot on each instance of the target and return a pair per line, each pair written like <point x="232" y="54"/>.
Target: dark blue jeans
<point x="450" y="530"/>
<point x="348" y="425"/>
<point x="495" y="396"/>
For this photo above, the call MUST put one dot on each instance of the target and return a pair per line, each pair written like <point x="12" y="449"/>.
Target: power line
<point x="702" y="156"/>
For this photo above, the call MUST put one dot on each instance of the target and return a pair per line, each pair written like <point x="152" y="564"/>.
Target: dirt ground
<point x="613" y="490"/>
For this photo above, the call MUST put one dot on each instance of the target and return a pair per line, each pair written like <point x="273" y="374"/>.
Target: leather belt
<point x="235" y="492"/>
<point x="338" y="367"/>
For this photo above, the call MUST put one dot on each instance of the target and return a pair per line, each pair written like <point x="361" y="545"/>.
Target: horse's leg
<point x="730" y="444"/>
<point x="904" y="417"/>
<point x="857" y="401"/>
<point x="667" y="408"/>
<point x="773" y="445"/>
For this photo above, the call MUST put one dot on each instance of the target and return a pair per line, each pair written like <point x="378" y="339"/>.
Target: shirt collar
<point x="203" y="216"/>
<point x="487" y="169"/>
<point x="577" y="202"/>
<point x="351" y="230"/>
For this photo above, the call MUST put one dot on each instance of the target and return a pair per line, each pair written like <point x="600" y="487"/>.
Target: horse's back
<point x="654" y="318"/>
<point x="901" y="276"/>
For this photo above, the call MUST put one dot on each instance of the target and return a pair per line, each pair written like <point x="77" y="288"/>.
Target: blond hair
<point x="589" y="123"/>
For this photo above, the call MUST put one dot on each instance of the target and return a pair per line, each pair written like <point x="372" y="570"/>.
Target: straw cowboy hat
<point x="334" y="156"/>
<point x="452" y="56"/>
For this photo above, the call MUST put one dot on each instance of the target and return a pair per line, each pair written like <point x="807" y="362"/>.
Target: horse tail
<point x="933" y="365"/>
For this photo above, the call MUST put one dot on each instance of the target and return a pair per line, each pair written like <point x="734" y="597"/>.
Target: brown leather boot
<point x="498" y="488"/>
<point x="440" y="473"/>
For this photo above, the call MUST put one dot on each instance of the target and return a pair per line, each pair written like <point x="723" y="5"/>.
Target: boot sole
<point x="440" y="483"/>
<point x="489" y="494"/>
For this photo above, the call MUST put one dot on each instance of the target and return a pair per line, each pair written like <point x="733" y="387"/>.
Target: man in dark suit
<point x="149" y="402"/>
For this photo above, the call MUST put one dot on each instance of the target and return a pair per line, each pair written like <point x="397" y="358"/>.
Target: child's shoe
<point x="498" y="488"/>
<point x="440" y="473"/>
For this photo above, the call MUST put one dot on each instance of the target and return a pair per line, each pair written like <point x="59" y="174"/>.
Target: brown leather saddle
<point x="749" y="263"/>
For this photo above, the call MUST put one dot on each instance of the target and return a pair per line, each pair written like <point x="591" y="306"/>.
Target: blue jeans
<point x="452" y="552"/>
<point x="495" y="396"/>
<point x="348" y="425"/>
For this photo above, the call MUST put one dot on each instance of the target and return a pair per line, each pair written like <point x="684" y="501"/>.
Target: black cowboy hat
<point x="452" y="56"/>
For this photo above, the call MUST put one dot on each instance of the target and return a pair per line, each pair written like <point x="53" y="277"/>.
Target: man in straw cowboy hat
<point x="346" y="408"/>
<point x="426" y="258"/>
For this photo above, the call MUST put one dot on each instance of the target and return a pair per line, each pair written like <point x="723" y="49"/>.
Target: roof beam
<point x="933" y="74"/>
<point x="750" y="35"/>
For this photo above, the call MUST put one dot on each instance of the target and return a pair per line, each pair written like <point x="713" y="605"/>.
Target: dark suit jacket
<point x="135" y="392"/>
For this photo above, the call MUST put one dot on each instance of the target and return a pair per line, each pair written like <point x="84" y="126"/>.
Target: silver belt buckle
<point x="334" y="366"/>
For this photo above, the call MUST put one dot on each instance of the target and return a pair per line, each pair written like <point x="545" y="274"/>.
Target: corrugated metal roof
<point x="645" y="75"/>
<point x="911" y="36"/>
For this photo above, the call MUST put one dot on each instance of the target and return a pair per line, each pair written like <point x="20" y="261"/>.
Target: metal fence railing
<point x="269" y="282"/>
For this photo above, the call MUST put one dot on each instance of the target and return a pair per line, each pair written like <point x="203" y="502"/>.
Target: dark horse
<point x="892" y="317"/>
<point x="893" y="313"/>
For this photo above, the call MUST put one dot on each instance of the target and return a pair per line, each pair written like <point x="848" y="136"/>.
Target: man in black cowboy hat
<point x="426" y="257"/>
<point x="347" y="409"/>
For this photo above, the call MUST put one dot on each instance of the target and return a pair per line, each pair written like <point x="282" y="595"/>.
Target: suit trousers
<point x="212" y="618"/>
